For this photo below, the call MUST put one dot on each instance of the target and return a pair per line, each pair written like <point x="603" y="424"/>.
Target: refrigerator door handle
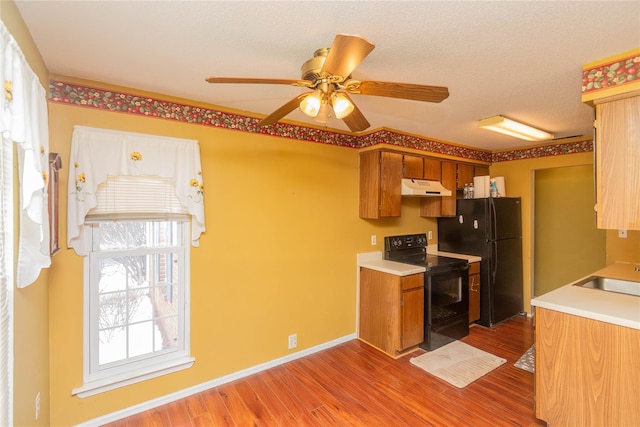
<point x="494" y="259"/>
<point x="493" y="220"/>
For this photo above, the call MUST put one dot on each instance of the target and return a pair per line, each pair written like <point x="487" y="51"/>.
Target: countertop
<point x="618" y="309"/>
<point x="374" y="261"/>
<point x="470" y="258"/>
<point x="392" y="267"/>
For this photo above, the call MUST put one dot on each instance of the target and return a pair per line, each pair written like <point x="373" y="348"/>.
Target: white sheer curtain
<point x="97" y="154"/>
<point x="23" y="121"/>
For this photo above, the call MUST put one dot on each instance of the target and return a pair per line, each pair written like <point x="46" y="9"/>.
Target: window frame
<point x="98" y="380"/>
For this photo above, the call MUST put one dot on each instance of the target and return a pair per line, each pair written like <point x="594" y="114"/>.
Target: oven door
<point x="446" y="307"/>
<point x="449" y="292"/>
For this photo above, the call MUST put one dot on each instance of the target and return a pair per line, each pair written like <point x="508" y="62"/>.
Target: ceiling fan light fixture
<point x="341" y="104"/>
<point x="512" y="128"/>
<point x="324" y="114"/>
<point x="311" y="104"/>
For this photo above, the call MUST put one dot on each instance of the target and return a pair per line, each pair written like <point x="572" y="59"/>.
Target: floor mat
<point x="458" y="363"/>
<point x="527" y="360"/>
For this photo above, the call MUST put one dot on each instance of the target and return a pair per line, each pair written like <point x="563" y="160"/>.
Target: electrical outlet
<point x="430" y="235"/>
<point x="293" y="341"/>
<point x="38" y="405"/>
<point x="622" y="234"/>
<point x="373" y="240"/>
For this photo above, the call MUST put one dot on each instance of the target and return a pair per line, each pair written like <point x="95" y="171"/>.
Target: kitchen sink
<point x="611" y="285"/>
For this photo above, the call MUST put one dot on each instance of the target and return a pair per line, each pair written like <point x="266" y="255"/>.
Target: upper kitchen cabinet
<point x="618" y="163"/>
<point x="412" y="167"/>
<point x="432" y="169"/>
<point x="380" y="184"/>
<point x="381" y="174"/>
<point x="480" y="170"/>
<point x="464" y="175"/>
<point x="613" y="86"/>
<point x="452" y="175"/>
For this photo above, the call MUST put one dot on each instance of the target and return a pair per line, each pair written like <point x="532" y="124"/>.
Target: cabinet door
<point x="380" y="176"/>
<point x="390" y="186"/>
<point x="412" y="318"/>
<point x="412" y="167"/>
<point x="480" y="170"/>
<point x="464" y="175"/>
<point x="449" y="170"/>
<point x="474" y="291"/>
<point x="618" y="163"/>
<point x="586" y="371"/>
<point x="380" y="309"/>
<point x="430" y="207"/>
<point x="432" y="169"/>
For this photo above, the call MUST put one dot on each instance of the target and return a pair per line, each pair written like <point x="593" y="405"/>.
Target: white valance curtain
<point x="24" y="121"/>
<point x="99" y="153"/>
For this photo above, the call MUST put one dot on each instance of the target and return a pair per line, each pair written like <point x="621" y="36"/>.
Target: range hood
<point x="424" y="188"/>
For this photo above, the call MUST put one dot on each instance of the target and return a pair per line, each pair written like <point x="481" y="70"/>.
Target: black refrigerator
<point x="492" y="229"/>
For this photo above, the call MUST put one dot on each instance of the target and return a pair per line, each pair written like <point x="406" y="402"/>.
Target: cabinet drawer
<point x="474" y="268"/>
<point x="413" y="281"/>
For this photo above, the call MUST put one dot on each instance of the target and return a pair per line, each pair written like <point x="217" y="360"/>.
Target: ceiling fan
<point x="328" y="74"/>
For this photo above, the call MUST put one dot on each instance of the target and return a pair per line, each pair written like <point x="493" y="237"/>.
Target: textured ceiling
<point x="521" y="59"/>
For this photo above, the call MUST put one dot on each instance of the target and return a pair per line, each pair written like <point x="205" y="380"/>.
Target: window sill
<point x="111" y="383"/>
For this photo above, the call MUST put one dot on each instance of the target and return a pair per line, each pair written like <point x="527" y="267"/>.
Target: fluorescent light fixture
<point x="512" y="128"/>
<point x="311" y="104"/>
<point x="341" y="105"/>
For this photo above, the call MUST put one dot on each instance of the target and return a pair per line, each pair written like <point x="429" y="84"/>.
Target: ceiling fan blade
<point x="398" y="90"/>
<point x="283" y="111"/>
<point x="345" y="54"/>
<point x="356" y="120"/>
<point x="253" y="80"/>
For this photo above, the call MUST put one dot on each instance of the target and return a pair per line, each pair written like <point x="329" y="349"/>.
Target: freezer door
<point x="505" y="218"/>
<point x="466" y="233"/>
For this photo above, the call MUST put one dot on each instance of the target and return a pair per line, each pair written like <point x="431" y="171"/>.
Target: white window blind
<point x="6" y="283"/>
<point x="136" y="197"/>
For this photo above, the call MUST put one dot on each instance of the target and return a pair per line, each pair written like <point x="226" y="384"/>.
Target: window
<point x="135" y="208"/>
<point x="136" y="301"/>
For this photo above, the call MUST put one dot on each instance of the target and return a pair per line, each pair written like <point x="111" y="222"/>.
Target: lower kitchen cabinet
<point x="391" y="310"/>
<point x="474" y="292"/>
<point x="587" y="371"/>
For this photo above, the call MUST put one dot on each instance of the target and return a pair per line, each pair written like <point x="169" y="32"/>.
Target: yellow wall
<point x="31" y="304"/>
<point x="567" y="243"/>
<point x="278" y="256"/>
<point x="623" y="249"/>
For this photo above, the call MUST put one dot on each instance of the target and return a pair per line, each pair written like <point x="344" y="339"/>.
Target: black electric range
<point x="446" y="288"/>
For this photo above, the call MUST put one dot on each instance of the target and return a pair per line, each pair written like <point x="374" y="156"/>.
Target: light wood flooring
<point x="354" y="384"/>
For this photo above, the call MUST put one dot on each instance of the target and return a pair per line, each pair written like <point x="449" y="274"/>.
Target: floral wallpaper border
<point x="118" y="101"/>
<point x="614" y="73"/>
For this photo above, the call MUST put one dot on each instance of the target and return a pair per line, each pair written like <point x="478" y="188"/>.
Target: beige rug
<point x="458" y="363"/>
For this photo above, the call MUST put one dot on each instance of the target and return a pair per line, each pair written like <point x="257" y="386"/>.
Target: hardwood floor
<point x="354" y="384"/>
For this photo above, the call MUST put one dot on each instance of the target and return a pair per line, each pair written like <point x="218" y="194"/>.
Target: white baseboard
<point x="136" y="409"/>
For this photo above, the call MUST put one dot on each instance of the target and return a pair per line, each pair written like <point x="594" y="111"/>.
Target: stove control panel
<point x="409" y="241"/>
